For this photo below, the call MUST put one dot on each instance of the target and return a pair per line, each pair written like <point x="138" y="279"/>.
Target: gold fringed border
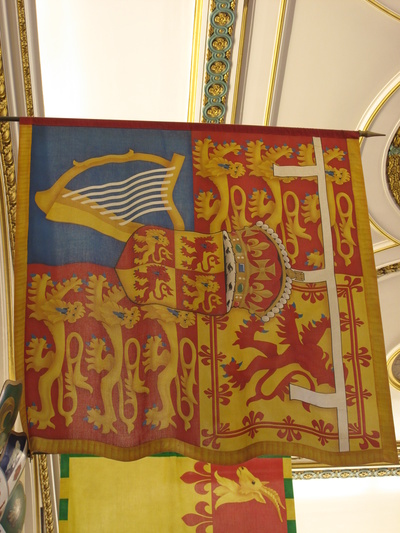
<point x="21" y="256"/>
<point x="89" y="447"/>
<point x="372" y="301"/>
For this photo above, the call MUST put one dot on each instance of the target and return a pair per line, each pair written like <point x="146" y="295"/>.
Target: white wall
<point x="367" y="505"/>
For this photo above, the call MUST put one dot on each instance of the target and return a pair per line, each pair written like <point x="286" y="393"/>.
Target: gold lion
<point x="152" y="246"/>
<point x="203" y="293"/>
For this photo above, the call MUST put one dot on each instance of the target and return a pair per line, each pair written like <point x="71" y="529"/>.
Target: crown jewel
<point x="258" y="271"/>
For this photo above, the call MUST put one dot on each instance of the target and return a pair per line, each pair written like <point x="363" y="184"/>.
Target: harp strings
<point x="125" y="201"/>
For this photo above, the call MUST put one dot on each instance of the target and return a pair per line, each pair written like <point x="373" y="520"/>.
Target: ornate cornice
<point x="345" y="473"/>
<point x="388" y="269"/>
<point x="219" y="47"/>
<point x="7" y="159"/>
<point x="305" y="471"/>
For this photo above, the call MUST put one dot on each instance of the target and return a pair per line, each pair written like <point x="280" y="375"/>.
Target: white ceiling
<point x="128" y="61"/>
<point x="331" y="64"/>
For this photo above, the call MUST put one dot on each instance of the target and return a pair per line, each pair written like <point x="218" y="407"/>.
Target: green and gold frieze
<point x="219" y="47"/>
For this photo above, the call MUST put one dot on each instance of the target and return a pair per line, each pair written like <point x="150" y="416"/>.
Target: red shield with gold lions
<point x="207" y="273"/>
<point x="179" y="269"/>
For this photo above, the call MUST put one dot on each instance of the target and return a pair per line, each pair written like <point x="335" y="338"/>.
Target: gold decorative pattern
<point x="219" y="47"/>
<point x="214" y="112"/>
<point x="345" y="473"/>
<point x="393" y="167"/>
<point x="223" y="19"/>
<point x="218" y="67"/>
<point x="220" y="43"/>
<point x="7" y="159"/>
<point x="45" y="489"/>
<point x="305" y="470"/>
<point x="216" y="89"/>
<point x="25" y="58"/>
<point x="388" y="269"/>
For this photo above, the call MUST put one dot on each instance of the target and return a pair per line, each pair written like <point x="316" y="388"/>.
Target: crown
<point x="258" y="272"/>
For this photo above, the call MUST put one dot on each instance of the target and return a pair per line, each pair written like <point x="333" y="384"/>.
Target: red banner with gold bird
<point x="189" y="496"/>
<point x="208" y="290"/>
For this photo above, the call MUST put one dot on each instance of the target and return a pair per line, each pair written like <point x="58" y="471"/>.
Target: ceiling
<point x="305" y="63"/>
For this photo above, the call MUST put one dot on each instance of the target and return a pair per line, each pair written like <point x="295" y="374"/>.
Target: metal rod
<point x="362" y="133"/>
<point x="9" y="119"/>
<point x="367" y="133"/>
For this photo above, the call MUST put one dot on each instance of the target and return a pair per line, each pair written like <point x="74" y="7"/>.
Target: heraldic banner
<point x="205" y="290"/>
<point x="175" y="494"/>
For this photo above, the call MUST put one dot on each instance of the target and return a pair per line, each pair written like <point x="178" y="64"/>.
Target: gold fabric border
<point x="372" y="298"/>
<point x="346" y="459"/>
<point x="20" y="280"/>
